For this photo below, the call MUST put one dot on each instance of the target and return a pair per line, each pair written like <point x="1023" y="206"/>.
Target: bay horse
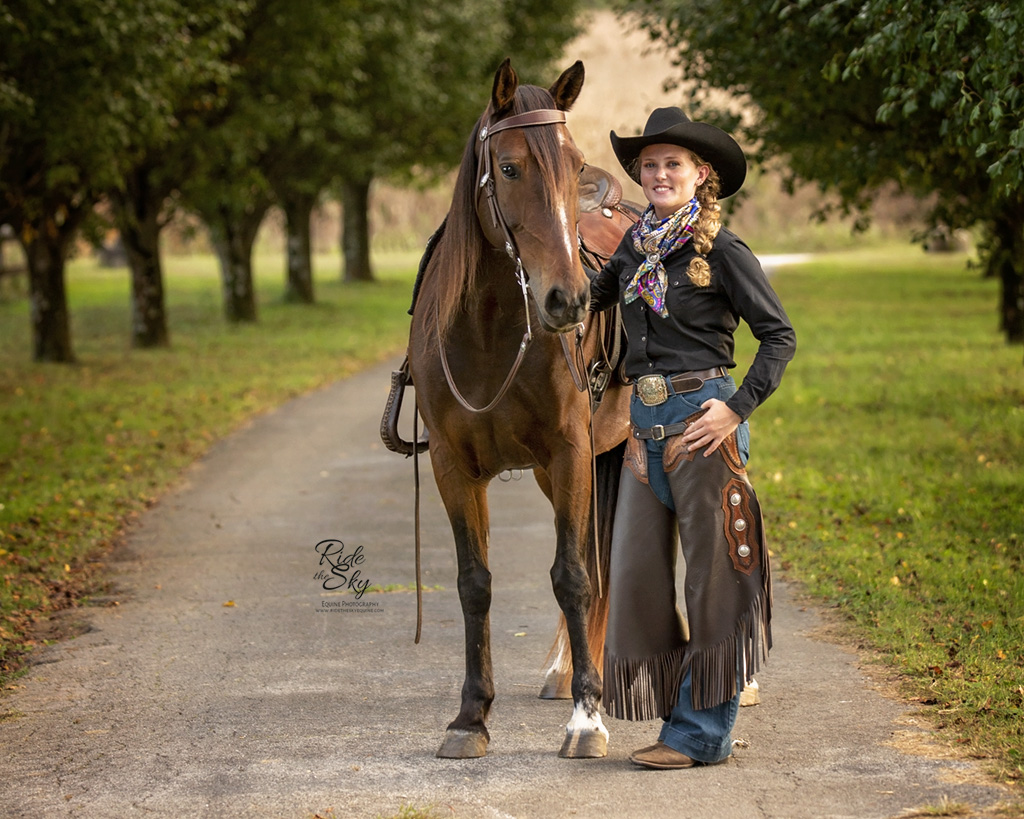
<point x="495" y="388"/>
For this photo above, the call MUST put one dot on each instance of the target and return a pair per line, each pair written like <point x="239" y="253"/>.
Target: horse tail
<point x="609" y="468"/>
<point x="558" y="679"/>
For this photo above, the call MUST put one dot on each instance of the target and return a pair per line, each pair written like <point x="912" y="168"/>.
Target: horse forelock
<point x="451" y="275"/>
<point x="546" y="145"/>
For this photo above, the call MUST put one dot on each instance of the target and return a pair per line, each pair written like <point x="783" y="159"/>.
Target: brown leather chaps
<point x="727" y="583"/>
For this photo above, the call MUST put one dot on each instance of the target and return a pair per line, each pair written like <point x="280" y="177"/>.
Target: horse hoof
<point x="584" y="745"/>
<point x="462" y="745"/>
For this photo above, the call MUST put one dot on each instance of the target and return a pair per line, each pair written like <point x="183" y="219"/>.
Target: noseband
<point x="485" y="183"/>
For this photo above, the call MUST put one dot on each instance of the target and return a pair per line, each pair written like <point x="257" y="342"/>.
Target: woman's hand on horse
<point x="713" y="427"/>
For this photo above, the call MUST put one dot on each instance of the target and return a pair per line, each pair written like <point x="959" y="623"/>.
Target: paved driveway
<point x="228" y="682"/>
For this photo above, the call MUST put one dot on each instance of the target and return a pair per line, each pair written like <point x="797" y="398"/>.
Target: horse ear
<point x="506" y="81"/>
<point x="567" y="87"/>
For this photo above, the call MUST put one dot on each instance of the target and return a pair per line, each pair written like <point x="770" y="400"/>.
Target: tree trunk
<point x="298" y="208"/>
<point x="233" y="238"/>
<point x="45" y="253"/>
<point x="138" y="218"/>
<point x="1007" y="262"/>
<point x="355" y="237"/>
<point x="1013" y="302"/>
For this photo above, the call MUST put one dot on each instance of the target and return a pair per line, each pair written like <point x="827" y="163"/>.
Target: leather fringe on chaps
<point x="727" y="585"/>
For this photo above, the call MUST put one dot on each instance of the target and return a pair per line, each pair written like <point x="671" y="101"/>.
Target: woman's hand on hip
<point x="713" y="427"/>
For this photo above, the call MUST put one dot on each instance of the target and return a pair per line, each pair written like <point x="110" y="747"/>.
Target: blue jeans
<point x="677" y="408"/>
<point x="705" y="735"/>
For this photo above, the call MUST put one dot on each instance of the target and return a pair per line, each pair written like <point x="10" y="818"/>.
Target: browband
<point x="545" y="116"/>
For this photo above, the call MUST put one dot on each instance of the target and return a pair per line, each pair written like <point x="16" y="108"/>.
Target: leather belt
<point x="659" y="432"/>
<point x="653" y="389"/>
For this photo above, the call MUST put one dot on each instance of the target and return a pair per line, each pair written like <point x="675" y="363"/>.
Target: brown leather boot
<point x="660" y="757"/>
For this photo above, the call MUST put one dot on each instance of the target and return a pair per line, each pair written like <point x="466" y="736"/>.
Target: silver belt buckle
<point x="652" y="390"/>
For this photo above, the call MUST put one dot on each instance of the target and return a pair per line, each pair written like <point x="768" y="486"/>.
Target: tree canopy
<point x="225" y="104"/>
<point x="85" y="85"/>
<point x="856" y="93"/>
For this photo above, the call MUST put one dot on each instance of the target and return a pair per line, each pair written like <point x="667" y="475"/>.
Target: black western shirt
<point x="698" y="332"/>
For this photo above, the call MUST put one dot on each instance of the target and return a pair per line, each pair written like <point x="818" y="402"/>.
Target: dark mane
<point x="450" y="277"/>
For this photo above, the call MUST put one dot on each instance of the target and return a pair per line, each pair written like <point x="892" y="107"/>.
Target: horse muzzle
<point x="561" y="310"/>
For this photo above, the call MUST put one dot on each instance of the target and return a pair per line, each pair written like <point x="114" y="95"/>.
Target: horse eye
<point x="509" y="171"/>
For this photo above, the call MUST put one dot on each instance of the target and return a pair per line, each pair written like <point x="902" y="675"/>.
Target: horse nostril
<point x="565" y="310"/>
<point x="555" y="304"/>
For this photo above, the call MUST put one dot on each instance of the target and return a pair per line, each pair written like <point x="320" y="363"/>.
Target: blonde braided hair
<point x="709" y="222"/>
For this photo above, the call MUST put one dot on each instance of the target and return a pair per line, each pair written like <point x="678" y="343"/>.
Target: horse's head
<point x="529" y="180"/>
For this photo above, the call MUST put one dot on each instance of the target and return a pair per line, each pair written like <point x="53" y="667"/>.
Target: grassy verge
<point x="892" y="481"/>
<point x="83" y="448"/>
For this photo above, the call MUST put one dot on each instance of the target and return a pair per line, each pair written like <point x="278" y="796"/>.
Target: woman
<point x="684" y="282"/>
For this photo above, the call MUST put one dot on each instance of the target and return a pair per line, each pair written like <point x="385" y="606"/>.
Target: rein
<point x="485" y="183"/>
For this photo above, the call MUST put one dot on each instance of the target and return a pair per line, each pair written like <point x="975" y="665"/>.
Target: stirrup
<point x="400" y="378"/>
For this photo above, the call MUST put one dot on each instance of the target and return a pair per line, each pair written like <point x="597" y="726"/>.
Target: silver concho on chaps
<point x="727" y="586"/>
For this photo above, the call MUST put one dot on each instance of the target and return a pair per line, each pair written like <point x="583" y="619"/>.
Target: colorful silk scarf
<point x="655" y="239"/>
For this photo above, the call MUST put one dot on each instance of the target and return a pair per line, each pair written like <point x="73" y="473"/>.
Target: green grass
<point x="943" y="808"/>
<point x="889" y="464"/>
<point x="84" y="448"/>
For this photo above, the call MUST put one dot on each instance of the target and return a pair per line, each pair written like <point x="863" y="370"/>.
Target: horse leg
<point x="466" y="502"/>
<point x="586" y="736"/>
<point x="558" y="677"/>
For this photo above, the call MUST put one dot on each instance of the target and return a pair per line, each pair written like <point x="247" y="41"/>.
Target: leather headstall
<point x="485" y="182"/>
<point x="544" y="116"/>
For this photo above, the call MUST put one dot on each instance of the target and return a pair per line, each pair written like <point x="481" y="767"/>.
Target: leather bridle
<point x="485" y="182"/>
<point x="486" y="185"/>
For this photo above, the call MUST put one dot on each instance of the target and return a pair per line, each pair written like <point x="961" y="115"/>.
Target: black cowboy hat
<point x="671" y="126"/>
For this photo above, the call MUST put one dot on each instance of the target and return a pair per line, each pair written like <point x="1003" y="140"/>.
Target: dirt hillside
<point x="625" y="82"/>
